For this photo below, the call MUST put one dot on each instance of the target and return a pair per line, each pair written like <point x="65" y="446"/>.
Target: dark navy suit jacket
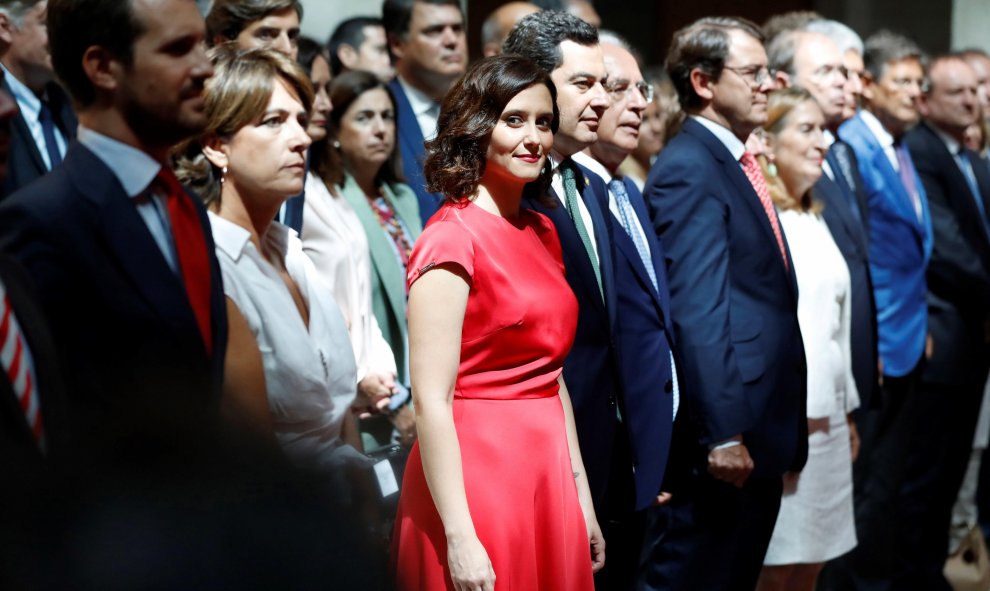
<point x="959" y="271"/>
<point x="849" y="234"/>
<point x="141" y="384"/>
<point x="644" y="340"/>
<point x="733" y="304"/>
<point x="410" y="139"/>
<point x="24" y="160"/>
<point x="590" y="370"/>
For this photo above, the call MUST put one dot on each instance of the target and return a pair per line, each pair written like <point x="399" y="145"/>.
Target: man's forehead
<point x="428" y="15"/>
<point x="817" y="48"/>
<point x="620" y="64"/>
<point x="745" y="48"/>
<point x="576" y="58"/>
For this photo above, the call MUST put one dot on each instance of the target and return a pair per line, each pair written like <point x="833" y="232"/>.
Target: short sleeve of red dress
<point x="442" y="242"/>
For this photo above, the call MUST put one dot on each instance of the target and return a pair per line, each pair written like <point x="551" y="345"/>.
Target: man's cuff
<point x="731" y="442"/>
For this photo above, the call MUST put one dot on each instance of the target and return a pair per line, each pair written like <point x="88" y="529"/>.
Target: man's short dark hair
<point x="538" y="37"/>
<point x="886" y="47"/>
<point x="349" y="32"/>
<point x="396" y="14"/>
<point x="704" y="44"/>
<point x="228" y="18"/>
<point x="787" y="21"/>
<point x="75" y="25"/>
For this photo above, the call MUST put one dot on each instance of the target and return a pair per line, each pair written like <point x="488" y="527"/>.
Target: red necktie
<point x="16" y="359"/>
<point x="190" y="246"/>
<point x="755" y="176"/>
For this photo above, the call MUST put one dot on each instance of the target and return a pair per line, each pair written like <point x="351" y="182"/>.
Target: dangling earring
<point x="772" y="169"/>
<point x="223" y="175"/>
<point x="336" y="144"/>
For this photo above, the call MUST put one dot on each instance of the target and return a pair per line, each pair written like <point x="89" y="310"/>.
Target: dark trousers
<point x="713" y="536"/>
<point x="624" y="528"/>
<point x="887" y="434"/>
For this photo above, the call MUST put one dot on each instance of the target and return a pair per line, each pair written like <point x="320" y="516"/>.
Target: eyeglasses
<point x="754" y="75"/>
<point x="621" y="90"/>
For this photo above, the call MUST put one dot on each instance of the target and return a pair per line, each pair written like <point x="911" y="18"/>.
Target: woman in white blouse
<point x="253" y="157"/>
<point x="815" y="523"/>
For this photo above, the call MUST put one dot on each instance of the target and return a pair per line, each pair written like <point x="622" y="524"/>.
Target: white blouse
<point x="334" y="239"/>
<point x="309" y="371"/>
<point x="823" y="313"/>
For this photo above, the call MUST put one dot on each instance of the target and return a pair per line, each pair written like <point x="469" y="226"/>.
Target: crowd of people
<point x="360" y="314"/>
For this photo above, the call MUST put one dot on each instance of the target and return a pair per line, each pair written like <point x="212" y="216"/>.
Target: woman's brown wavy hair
<point x="455" y="159"/>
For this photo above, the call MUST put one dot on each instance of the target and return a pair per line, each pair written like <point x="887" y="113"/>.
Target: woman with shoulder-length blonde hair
<point x="815" y="522"/>
<point x="288" y="343"/>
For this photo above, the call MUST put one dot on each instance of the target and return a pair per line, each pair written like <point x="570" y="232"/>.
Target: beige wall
<point x="970" y="24"/>
<point x="320" y="17"/>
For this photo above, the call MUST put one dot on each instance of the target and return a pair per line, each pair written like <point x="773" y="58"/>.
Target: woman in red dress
<point x="495" y="494"/>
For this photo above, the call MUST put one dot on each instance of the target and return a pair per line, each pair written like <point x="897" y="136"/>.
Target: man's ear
<point x="702" y="84"/>
<point x="783" y="79"/>
<point x="7" y="30"/>
<point x="869" y="86"/>
<point x="347" y="56"/>
<point x="215" y="151"/>
<point x="395" y="46"/>
<point x="101" y="67"/>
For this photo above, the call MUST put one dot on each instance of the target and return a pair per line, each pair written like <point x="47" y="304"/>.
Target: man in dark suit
<point x="734" y="309"/>
<point x="643" y="333"/>
<point x="957" y="184"/>
<point x="567" y="48"/>
<point x="122" y="258"/>
<point x="900" y="242"/>
<point x="429" y="51"/>
<point x="42" y="130"/>
<point x="814" y="62"/>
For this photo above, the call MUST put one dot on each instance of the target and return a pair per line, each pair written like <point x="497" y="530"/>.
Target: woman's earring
<point x="223" y="175"/>
<point x="336" y="144"/>
<point x="771" y="167"/>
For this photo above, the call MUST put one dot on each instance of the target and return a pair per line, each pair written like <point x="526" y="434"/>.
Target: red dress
<point x="518" y="327"/>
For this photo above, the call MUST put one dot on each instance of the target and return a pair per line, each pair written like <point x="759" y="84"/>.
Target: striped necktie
<point x="19" y="368"/>
<point x="569" y="178"/>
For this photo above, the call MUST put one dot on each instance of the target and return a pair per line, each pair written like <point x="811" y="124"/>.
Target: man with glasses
<point x="643" y="333"/>
<point x="900" y="245"/>
<point x="734" y="311"/>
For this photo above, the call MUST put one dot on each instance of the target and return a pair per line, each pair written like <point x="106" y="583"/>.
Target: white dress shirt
<point x="309" y="370"/>
<point x="426" y="109"/>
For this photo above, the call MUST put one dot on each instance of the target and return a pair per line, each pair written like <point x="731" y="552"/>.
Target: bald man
<point x="498" y="24"/>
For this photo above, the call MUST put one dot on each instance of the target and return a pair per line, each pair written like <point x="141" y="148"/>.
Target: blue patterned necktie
<point x="626" y="215"/>
<point x="569" y="179"/>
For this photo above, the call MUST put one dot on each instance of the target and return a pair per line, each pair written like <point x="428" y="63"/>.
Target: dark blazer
<point x="900" y="245"/>
<point x="141" y="385"/>
<point x="412" y="150"/>
<point x="959" y="271"/>
<point x="733" y="304"/>
<point x="590" y="370"/>
<point x="849" y="234"/>
<point x="24" y="160"/>
<point x="19" y="453"/>
<point x="644" y="340"/>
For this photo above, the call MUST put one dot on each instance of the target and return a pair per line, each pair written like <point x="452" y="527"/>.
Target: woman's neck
<point x="232" y="208"/>
<point x="366" y="177"/>
<point x="500" y="196"/>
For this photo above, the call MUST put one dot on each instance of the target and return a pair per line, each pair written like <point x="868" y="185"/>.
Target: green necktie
<point x="567" y="174"/>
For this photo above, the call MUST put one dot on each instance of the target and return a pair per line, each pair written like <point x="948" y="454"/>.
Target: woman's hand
<point x="470" y="567"/>
<point x="853" y="437"/>
<point x="597" y="542"/>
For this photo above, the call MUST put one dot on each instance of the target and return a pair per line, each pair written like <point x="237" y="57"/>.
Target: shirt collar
<point x="133" y="168"/>
<point x="592" y="165"/>
<point x="724" y="135"/>
<point x="877" y="129"/>
<point x="949" y="141"/>
<point x="233" y="240"/>
<point x="418" y="100"/>
<point x="829" y="139"/>
<point x="28" y="102"/>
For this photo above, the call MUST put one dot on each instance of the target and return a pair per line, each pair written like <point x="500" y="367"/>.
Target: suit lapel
<point x="127" y="239"/>
<point x="595" y="196"/>
<point x="836" y="199"/>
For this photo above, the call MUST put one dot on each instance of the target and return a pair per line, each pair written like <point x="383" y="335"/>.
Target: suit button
<point x="611" y="399"/>
<point x="669" y="386"/>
